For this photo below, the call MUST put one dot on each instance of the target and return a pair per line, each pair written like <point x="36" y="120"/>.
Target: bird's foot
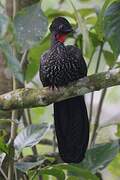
<point x="54" y="88"/>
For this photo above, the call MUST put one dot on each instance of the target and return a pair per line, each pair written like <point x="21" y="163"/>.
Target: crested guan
<point x="59" y="66"/>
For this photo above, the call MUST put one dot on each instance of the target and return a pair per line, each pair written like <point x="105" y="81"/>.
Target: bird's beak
<point x="70" y="30"/>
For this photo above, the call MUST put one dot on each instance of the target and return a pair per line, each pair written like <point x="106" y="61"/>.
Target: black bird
<point x="59" y="66"/>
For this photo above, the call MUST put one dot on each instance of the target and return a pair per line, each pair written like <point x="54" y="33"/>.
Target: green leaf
<point x="73" y="178"/>
<point x="94" y="38"/>
<point x="99" y="157"/>
<point x="34" y="58"/>
<point x="25" y="166"/>
<point x="109" y="57"/>
<point x="30" y="136"/>
<point x="30" y="26"/>
<point x="85" y="0"/>
<point x="3" y="147"/>
<point x="117" y="64"/>
<point x="118" y="130"/>
<point x="52" y="13"/>
<point x="114" y="166"/>
<point x="112" y="26"/>
<point x="86" y="11"/>
<point x="75" y="171"/>
<point x="91" y="20"/>
<point x="56" y="172"/>
<point x="11" y="60"/>
<point x="87" y="46"/>
<point x="37" y="113"/>
<point x="4" y="21"/>
<point x="100" y="23"/>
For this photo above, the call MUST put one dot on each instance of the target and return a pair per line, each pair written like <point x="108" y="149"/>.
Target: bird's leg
<point x="54" y="88"/>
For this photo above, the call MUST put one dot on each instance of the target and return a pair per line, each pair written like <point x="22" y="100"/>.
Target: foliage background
<point x="24" y="36"/>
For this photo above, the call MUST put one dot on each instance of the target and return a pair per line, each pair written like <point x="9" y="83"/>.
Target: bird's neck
<point x="55" y="38"/>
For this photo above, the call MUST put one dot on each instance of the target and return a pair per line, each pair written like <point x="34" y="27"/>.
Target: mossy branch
<point x="29" y="98"/>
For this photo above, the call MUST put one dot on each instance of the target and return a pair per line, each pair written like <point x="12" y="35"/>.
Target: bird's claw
<point x="54" y="88"/>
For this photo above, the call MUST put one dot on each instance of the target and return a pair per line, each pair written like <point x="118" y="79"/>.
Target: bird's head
<point x="61" y="28"/>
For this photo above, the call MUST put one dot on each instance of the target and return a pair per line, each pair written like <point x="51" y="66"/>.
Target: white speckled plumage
<point x="61" y="65"/>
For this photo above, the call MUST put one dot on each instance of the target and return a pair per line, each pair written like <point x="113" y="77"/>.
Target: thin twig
<point x="11" y="140"/>
<point x="10" y="120"/>
<point x="27" y="115"/>
<point x="91" y="102"/>
<point x="28" y="121"/>
<point x="91" y="107"/>
<point x="25" y="123"/>
<point x="15" y="171"/>
<point x="14" y="8"/>
<point x="34" y="149"/>
<point x="13" y="124"/>
<point x="96" y="71"/>
<point x="99" y="57"/>
<point x="4" y="175"/>
<point x="97" y="119"/>
<point x="23" y="59"/>
<point x="90" y="59"/>
<point x="54" y="141"/>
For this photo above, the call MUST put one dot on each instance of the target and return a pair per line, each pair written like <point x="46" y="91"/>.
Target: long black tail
<point x="72" y="129"/>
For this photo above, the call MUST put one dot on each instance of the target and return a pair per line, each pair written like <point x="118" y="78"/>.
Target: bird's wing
<point x="42" y="69"/>
<point x="76" y="57"/>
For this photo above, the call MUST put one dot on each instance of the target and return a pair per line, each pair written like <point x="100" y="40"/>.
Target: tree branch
<point x="27" y="98"/>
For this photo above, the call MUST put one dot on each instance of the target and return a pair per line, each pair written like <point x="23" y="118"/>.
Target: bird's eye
<point x="61" y="27"/>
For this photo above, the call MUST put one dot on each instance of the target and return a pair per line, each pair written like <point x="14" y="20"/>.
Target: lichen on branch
<point x="29" y="98"/>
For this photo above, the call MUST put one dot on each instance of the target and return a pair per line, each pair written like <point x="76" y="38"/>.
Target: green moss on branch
<point x="27" y="98"/>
